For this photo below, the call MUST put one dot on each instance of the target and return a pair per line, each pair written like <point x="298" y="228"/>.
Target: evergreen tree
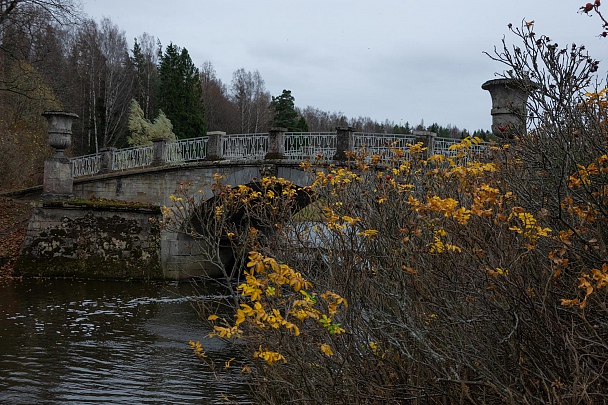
<point x="180" y="93"/>
<point x="139" y="126"/>
<point x="162" y="127"/>
<point x="285" y="114"/>
<point x="143" y="131"/>
<point x="302" y="125"/>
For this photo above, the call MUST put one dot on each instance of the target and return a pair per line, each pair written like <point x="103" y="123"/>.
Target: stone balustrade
<point x="508" y="111"/>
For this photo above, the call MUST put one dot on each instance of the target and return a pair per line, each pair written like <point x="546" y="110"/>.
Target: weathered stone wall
<point x="184" y="257"/>
<point x="91" y="243"/>
<point x="74" y="241"/>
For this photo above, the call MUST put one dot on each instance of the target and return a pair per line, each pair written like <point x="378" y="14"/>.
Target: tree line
<point x="52" y="57"/>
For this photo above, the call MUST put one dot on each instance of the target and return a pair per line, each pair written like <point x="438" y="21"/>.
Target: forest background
<point x="53" y="57"/>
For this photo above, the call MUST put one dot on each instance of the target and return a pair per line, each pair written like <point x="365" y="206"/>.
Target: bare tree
<point x="319" y="120"/>
<point x="100" y="55"/>
<point x="63" y="11"/>
<point x="117" y="83"/>
<point x="145" y="60"/>
<point x="252" y="100"/>
<point x="220" y="112"/>
<point x="23" y="24"/>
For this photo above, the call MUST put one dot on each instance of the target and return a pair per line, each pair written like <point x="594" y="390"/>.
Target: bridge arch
<point x="205" y="254"/>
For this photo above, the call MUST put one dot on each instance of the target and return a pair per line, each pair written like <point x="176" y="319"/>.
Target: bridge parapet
<point x="278" y="144"/>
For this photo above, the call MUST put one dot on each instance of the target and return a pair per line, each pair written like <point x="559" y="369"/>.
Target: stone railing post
<point x="509" y="97"/>
<point x="276" y="143"/>
<point x="107" y="160"/>
<point x="160" y="151"/>
<point x="428" y="140"/>
<point x="58" y="180"/>
<point x="214" y="145"/>
<point x="344" y="142"/>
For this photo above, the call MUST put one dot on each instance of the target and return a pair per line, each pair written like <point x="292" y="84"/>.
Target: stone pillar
<point x="276" y="143"/>
<point x="107" y="160"/>
<point x="344" y="142"/>
<point x="428" y="140"/>
<point x="214" y="145"/>
<point x="160" y="151"/>
<point x="58" y="180"/>
<point x="509" y="98"/>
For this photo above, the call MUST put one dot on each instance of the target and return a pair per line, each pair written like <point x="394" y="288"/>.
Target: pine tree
<point x="180" y="93"/>
<point x="301" y="125"/>
<point x="285" y="114"/>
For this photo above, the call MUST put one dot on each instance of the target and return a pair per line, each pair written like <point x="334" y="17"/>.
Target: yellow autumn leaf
<point x="370" y="233"/>
<point x="325" y="348"/>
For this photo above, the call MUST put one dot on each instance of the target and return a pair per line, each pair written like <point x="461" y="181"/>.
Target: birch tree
<point x="252" y="101"/>
<point x="100" y="54"/>
<point x="145" y="61"/>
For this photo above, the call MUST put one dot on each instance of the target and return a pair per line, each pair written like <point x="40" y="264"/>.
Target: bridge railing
<point x="291" y="145"/>
<point x="382" y="144"/>
<point x="86" y="165"/>
<point x="441" y="146"/>
<point x="244" y="146"/>
<point x="302" y="145"/>
<point x="131" y="158"/>
<point x="187" y="150"/>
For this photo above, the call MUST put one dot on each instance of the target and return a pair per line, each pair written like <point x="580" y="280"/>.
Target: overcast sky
<point x="401" y="60"/>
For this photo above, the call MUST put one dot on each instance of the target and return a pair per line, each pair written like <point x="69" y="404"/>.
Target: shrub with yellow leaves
<point x="274" y="294"/>
<point x="469" y="278"/>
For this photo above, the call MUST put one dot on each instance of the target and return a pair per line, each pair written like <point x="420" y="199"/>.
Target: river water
<point x="94" y="342"/>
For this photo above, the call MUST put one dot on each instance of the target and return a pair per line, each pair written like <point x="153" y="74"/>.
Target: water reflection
<point x="91" y="342"/>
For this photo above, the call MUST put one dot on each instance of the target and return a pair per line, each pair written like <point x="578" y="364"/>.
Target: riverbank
<point x="14" y="217"/>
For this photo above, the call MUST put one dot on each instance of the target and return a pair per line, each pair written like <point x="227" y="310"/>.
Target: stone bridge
<point x="65" y="240"/>
<point x="150" y="174"/>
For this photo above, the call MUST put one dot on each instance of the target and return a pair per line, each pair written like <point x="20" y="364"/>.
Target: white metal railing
<point x="86" y="165"/>
<point x="297" y="146"/>
<point x="441" y="146"/>
<point x="382" y="144"/>
<point x="187" y="150"/>
<point x="245" y="146"/>
<point x="129" y="158"/>
<point x="302" y="145"/>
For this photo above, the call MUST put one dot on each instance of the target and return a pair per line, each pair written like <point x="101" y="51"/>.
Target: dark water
<point x="93" y="342"/>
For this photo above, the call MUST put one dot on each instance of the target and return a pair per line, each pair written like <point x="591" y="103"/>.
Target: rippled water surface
<point x="93" y="342"/>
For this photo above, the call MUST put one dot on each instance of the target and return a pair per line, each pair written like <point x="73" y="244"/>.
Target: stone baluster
<point x="214" y="145"/>
<point x="344" y="142"/>
<point x="276" y="143"/>
<point x="58" y="179"/>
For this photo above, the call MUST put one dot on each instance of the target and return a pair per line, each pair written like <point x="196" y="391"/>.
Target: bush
<point x="432" y="279"/>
